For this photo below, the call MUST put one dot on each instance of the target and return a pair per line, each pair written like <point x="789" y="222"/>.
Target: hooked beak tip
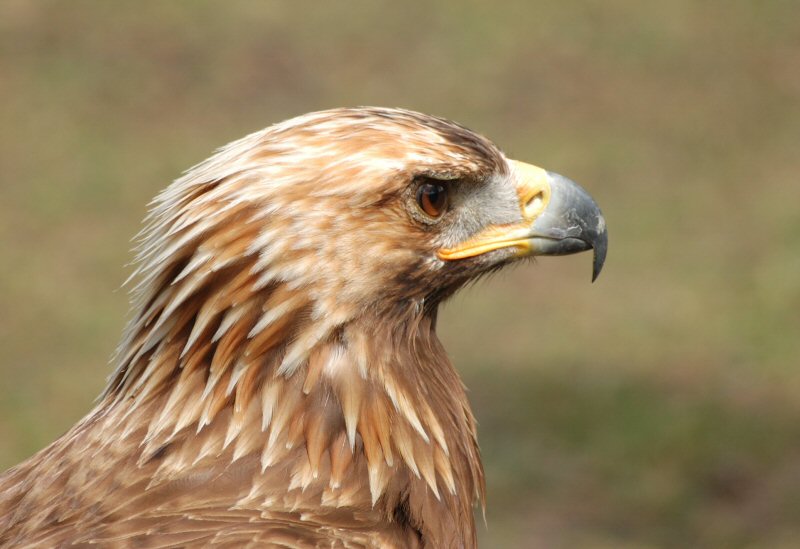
<point x="600" y="247"/>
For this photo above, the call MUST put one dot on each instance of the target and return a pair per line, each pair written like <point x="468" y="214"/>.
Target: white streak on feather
<point x="403" y="405"/>
<point x="232" y="316"/>
<point x="273" y="314"/>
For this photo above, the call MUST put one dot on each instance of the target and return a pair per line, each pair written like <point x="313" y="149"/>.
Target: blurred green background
<point x="656" y="408"/>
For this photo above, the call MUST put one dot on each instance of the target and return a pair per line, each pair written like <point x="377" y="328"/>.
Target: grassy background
<point x="655" y="408"/>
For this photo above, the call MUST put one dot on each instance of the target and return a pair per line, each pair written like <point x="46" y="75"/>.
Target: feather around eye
<point x="432" y="198"/>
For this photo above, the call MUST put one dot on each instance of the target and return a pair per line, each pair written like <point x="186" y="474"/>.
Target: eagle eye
<point x="432" y="198"/>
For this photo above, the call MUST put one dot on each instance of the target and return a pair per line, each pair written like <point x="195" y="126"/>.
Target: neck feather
<point x="367" y="411"/>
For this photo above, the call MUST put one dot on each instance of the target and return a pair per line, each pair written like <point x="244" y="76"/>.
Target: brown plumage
<point x="280" y="382"/>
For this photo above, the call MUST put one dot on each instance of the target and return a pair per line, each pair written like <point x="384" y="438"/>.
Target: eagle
<point x="280" y="382"/>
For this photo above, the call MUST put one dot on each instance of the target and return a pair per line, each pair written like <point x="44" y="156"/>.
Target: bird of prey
<point x="280" y="382"/>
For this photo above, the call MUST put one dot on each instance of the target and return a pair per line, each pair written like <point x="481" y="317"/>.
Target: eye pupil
<point x="432" y="198"/>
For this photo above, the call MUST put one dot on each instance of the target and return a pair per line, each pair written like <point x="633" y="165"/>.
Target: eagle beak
<point x="570" y="222"/>
<point x="559" y="218"/>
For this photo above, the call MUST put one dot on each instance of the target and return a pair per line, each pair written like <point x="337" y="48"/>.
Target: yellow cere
<point x="533" y="188"/>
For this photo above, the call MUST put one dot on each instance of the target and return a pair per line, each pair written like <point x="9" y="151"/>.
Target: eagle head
<point x="370" y="209"/>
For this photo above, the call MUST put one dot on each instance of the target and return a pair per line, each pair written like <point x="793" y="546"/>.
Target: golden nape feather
<point x="280" y="382"/>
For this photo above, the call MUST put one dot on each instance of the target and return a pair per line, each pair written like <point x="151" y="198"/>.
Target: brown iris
<point x="432" y="198"/>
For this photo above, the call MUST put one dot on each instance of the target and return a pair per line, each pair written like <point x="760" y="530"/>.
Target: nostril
<point x="535" y="203"/>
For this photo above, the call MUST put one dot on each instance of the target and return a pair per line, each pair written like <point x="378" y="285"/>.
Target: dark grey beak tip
<point x="600" y="247"/>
